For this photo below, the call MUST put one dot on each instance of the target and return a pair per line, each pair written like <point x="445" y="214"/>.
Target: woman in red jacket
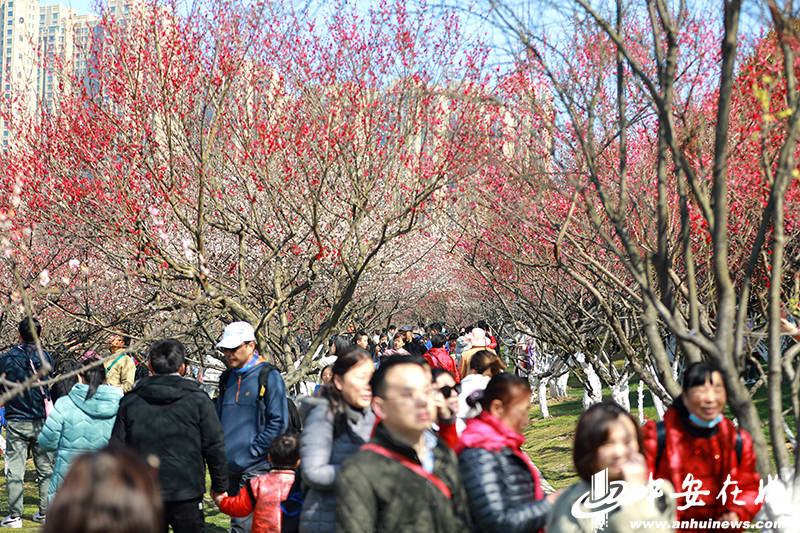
<point x="438" y="357"/>
<point x="711" y="463"/>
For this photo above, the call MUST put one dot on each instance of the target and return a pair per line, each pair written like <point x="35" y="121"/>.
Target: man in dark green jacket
<point x="405" y="479"/>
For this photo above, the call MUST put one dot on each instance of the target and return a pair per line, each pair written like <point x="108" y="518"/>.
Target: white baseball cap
<point x="236" y="334"/>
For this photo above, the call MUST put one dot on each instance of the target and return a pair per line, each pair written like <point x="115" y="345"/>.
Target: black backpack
<point x="295" y="422"/>
<point x="661" y="438"/>
<point x="141" y="372"/>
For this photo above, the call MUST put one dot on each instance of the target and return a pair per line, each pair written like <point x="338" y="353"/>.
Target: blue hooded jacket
<point x="251" y="425"/>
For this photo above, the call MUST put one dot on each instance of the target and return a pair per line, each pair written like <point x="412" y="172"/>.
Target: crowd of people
<point x="407" y="431"/>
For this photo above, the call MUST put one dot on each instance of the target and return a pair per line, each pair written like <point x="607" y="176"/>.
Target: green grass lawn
<point x="31" y="498"/>
<point x="548" y="441"/>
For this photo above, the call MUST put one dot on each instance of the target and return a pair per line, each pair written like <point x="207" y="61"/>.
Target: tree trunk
<point x="543" y="398"/>
<point x="620" y="392"/>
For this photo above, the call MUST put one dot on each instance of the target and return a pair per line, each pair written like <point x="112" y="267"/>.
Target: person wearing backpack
<point x="264" y="496"/>
<point x="25" y="417"/>
<point x="697" y="440"/>
<point x="252" y="407"/>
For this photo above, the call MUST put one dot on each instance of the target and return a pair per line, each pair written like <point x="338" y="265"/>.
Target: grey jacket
<point x="321" y="455"/>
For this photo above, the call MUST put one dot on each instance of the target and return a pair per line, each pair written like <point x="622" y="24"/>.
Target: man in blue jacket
<point x="251" y="418"/>
<point x="25" y="415"/>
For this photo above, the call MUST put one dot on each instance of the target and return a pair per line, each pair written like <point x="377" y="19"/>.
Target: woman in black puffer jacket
<point x="503" y="485"/>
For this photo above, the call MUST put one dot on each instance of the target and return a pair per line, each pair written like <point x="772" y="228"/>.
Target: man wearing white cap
<point x="251" y="416"/>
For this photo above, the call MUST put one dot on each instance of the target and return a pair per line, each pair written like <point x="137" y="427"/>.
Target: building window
<point x="8" y="42"/>
<point x="10" y="13"/>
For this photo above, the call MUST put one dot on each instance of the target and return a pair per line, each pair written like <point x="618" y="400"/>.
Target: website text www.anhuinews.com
<point x="705" y="524"/>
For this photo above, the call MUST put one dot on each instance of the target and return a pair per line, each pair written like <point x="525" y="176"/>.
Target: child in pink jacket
<point x="263" y="495"/>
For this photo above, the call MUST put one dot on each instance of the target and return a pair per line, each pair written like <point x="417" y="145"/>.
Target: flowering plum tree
<point x="672" y="172"/>
<point x="251" y="163"/>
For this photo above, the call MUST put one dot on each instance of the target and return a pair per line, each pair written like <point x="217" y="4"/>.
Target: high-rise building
<point x="19" y="20"/>
<point x="41" y="43"/>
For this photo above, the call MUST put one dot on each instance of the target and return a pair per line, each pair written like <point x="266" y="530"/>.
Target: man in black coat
<point x="170" y="417"/>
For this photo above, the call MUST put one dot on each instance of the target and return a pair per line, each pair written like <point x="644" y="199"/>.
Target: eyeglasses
<point x="447" y="390"/>
<point x="408" y="393"/>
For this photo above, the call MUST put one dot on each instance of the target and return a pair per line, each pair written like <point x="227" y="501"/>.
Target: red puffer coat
<point x="440" y="358"/>
<point x="709" y="456"/>
<point x="269" y="491"/>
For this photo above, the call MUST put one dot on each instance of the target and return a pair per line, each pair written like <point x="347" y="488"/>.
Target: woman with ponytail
<point x="333" y="432"/>
<point x="482" y="366"/>
<point x="81" y="421"/>
<point x="503" y="486"/>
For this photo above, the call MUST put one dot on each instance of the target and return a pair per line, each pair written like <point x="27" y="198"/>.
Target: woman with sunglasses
<point x="446" y="390"/>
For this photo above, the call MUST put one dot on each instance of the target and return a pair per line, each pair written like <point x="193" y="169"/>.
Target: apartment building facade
<point x="41" y="43"/>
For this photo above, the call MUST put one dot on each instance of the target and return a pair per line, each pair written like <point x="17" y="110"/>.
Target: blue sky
<point x="752" y="17"/>
<point x="81" y="6"/>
